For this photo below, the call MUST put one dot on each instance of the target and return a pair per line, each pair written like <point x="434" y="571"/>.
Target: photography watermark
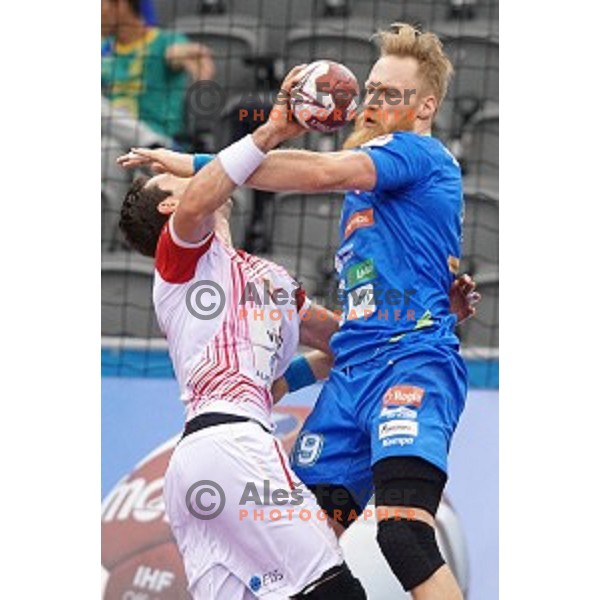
<point x="206" y="300"/>
<point x="260" y="501"/>
<point x="337" y="515"/>
<point x="265" y="296"/>
<point x="208" y="99"/>
<point x="205" y="500"/>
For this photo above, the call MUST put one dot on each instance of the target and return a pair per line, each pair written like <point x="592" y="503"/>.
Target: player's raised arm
<point x="210" y="188"/>
<point x="282" y="170"/>
<point x="306" y="171"/>
<point x="212" y="184"/>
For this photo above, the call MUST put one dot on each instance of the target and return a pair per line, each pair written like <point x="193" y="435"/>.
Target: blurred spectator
<point x="146" y="70"/>
<point x="145" y="74"/>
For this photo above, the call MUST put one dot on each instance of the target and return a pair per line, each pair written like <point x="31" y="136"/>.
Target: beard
<point x="361" y="134"/>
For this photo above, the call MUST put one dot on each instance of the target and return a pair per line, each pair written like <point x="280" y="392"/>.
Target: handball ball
<point x="325" y="97"/>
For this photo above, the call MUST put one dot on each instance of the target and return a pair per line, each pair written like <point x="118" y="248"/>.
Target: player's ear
<point x="428" y="108"/>
<point x="167" y="206"/>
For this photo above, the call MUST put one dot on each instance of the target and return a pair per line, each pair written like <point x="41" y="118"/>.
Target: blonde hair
<point x="404" y="40"/>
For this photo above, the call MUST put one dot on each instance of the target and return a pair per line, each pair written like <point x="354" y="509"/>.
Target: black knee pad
<point x="337" y="582"/>
<point x="408" y="481"/>
<point x="411" y="550"/>
<point x="338" y="502"/>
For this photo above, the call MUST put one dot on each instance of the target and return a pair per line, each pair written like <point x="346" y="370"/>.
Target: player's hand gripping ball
<point x="324" y="99"/>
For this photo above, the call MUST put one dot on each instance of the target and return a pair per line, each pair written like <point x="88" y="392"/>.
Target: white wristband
<point x="241" y="159"/>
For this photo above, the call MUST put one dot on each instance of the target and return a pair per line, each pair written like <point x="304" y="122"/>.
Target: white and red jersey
<point x="225" y="363"/>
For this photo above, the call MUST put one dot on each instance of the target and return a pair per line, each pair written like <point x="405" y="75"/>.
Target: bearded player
<point x="385" y="418"/>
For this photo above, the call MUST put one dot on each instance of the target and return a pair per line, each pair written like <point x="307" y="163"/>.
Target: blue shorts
<point x="405" y="405"/>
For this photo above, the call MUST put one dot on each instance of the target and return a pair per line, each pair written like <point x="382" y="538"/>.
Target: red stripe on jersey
<point x="175" y="263"/>
<point x="205" y="380"/>
<point x="225" y="371"/>
<point x="300" y="293"/>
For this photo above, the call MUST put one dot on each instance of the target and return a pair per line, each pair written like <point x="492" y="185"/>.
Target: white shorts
<point x="262" y="540"/>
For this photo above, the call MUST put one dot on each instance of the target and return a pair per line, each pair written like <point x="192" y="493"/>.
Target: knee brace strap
<point x="411" y="550"/>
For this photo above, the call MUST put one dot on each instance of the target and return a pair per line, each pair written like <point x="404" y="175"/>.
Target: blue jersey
<point x="399" y="250"/>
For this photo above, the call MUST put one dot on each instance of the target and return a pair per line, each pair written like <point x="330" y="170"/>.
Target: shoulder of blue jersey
<point x="397" y="136"/>
<point x="381" y="140"/>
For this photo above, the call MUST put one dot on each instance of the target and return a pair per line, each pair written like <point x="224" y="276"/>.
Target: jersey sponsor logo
<point x="342" y="256"/>
<point x="266" y="338"/>
<point x="360" y="219"/>
<point x="255" y="583"/>
<point x="271" y="577"/>
<point x="453" y="264"/>
<point x="402" y="441"/>
<point x="403" y="395"/>
<point x="308" y="449"/>
<point x="399" y="411"/>
<point x="398" y="427"/>
<point x="266" y="580"/>
<point x="361" y="302"/>
<point x="360" y="273"/>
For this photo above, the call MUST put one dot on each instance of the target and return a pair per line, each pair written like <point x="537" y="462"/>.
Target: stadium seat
<point x="342" y="40"/>
<point x="304" y="234"/>
<point x="127" y="297"/>
<point x="480" y="143"/>
<point x="232" y="44"/>
<point x="240" y="215"/>
<point x="468" y="10"/>
<point x="481" y="331"/>
<point x="241" y="114"/>
<point x="321" y="142"/>
<point x="485" y="184"/>
<point x="382" y="13"/>
<point x="301" y="268"/>
<point x="307" y="220"/>
<point x="108" y="220"/>
<point x="472" y="46"/>
<point x="230" y="41"/>
<point x="451" y="119"/>
<point x="277" y="16"/>
<point x="168" y="10"/>
<point x="474" y="53"/>
<point x="480" y="231"/>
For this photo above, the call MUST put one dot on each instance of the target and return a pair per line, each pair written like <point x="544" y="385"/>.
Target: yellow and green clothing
<point x="138" y="77"/>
